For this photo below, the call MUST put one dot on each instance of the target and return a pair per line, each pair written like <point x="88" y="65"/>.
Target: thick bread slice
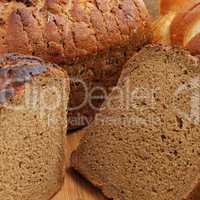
<point x="145" y="143"/>
<point x="33" y="101"/>
<point x="91" y="39"/>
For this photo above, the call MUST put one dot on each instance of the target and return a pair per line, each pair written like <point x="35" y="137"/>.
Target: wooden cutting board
<point x="75" y="187"/>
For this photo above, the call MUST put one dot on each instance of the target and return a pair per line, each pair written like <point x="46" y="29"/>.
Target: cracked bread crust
<point x="68" y="30"/>
<point x="16" y="70"/>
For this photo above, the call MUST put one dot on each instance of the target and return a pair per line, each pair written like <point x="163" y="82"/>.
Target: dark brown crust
<point x="15" y="71"/>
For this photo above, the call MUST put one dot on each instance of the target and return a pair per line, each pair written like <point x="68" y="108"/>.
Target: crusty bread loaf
<point x="33" y="101"/>
<point x="179" y="24"/>
<point x="90" y="38"/>
<point x="145" y="142"/>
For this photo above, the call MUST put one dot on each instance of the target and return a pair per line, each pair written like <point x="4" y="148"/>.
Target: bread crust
<point x="193" y="45"/>
<point x="16" y="70"/>
<point x="167" y="6"/>
<point x="180" y="22"/>
<point x="64" y="31"/>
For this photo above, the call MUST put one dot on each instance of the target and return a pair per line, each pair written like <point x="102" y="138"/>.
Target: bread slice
<point x="145" y="143"/>
<point x="33" y="101"/>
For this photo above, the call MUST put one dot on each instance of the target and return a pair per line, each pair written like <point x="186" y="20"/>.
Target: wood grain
<point x="75" y="187"/>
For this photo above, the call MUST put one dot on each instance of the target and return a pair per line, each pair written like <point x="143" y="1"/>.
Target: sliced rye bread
<point x="33" y="101"/>
<point x="145" y="143"/>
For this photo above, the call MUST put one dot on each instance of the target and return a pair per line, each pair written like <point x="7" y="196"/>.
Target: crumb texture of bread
<point x="144" y="144"/>
<point x="91" y="39"/>
<point x="32" y="128"/>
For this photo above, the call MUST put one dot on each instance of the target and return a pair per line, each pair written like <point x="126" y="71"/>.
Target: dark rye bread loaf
<point x="33" y="101"/>
<point x="90" y="38"/>
<point x="145" y="143"/>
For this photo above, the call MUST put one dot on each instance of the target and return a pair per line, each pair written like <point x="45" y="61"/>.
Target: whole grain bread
<point x="145" y="143"/>
<point x="90" y="38"/>
<point x="33" y="101"/>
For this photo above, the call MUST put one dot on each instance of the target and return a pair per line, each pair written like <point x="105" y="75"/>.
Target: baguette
<point x="179" y="24"/>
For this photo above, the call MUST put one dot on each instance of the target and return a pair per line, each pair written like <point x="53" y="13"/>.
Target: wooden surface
<point x="75" y="187"/>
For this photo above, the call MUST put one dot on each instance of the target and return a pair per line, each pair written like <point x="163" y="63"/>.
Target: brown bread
<point x="91" y="39"/>
<point x="32" y="127"/>
<point x="145" y="143"/>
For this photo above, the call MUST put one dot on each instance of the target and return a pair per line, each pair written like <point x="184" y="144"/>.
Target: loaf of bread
<point x="179" y="24"/>
<point x="145" y="142"/>
<point x="90" y="38"/>
<point x="33" y="101"/>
